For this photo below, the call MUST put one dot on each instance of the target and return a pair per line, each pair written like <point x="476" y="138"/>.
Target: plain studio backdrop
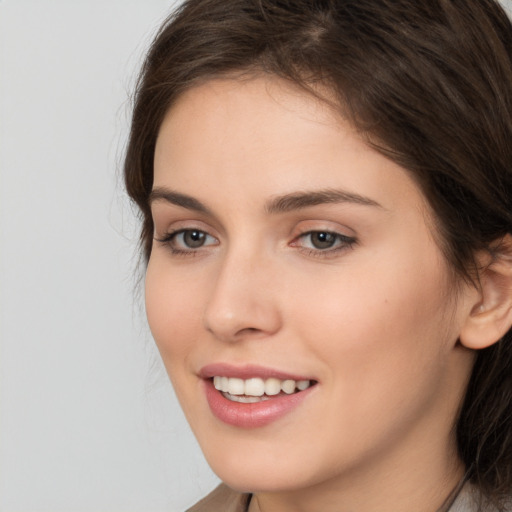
<point x="88" y="420"/>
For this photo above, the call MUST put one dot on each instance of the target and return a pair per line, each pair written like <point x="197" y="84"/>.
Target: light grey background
<point x="88" y="421"/>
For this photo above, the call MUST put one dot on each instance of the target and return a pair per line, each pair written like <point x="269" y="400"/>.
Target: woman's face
<point x="287" y="250"/>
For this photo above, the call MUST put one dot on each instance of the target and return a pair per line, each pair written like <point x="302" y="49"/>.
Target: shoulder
<point x="470" y="500"/>
<point x="222" y="499"/>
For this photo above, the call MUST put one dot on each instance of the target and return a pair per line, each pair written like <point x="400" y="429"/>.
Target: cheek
<point x="173" y="311"/>
<point x="385" y="321"/>
<point x="382" y="337"/>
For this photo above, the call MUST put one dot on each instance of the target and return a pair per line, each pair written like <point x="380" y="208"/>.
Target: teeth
<point x="256" y="387"/>
<point x="288" y="386"/>
<point x="303" y="384"/>
<point x="272" y="387"/>
<point x="246" y="399"/>
<point x="236" y="387"/>
<point x="253" y="387"/>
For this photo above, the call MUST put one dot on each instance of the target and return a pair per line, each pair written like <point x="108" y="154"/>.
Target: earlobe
<point x="491" y="317"/>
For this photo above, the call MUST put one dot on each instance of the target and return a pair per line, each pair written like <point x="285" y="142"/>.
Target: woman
<point x="326" y="198"/>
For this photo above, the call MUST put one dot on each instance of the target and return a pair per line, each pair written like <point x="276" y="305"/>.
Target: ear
<point x="491" y="315"/>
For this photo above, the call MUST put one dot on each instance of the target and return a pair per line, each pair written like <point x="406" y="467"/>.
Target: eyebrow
<point x="279" y="204"/>
<point x="300" y="200"/>
<point x="178" y="199"/>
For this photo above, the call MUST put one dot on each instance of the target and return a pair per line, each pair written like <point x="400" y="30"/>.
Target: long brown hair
<point x="427" y="83"/>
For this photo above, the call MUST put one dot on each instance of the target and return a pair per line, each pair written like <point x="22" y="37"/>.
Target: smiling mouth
<point x="256" y="389"/>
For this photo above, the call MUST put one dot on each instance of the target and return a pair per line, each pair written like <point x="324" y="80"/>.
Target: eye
<point x="322" y="239"/>
<point x="185" y="241"/>
<point x="191" y="238"/>
<point x="326" y="242"/>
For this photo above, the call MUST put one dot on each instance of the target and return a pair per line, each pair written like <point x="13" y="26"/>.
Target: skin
<point x="375" y="322"/>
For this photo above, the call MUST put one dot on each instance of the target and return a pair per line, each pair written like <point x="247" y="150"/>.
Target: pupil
<point x="323" y="240"/>
<point x="194" y="238"/>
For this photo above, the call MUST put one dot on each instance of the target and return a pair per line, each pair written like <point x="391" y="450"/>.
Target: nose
<point x="244" y="301"/>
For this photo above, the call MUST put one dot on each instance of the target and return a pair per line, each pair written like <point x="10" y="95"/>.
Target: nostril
<point x="231" y="315"/>
<point x="249" y="331"/>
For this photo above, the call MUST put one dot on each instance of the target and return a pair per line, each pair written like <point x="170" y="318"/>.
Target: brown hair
<point x="429" y="84"/>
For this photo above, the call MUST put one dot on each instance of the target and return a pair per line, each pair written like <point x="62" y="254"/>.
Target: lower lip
<point x="252" y="415"/>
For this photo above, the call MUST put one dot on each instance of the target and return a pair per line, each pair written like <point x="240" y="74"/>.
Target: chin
<point x="260" y="469"/>
<point x="249" y="480"/>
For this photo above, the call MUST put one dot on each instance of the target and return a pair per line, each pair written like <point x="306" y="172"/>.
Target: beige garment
<point x="223" y="499"/>
<point x="469" y="501"/>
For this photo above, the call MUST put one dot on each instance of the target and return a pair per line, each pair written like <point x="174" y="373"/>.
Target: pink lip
<point x="252" y="415"/>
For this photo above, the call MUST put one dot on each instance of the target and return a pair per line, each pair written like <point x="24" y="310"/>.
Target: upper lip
<point x="247" y="371"/>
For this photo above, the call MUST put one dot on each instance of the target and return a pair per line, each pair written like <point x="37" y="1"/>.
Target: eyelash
<point x="169" y="238"/>
<point x="343" y="243"/>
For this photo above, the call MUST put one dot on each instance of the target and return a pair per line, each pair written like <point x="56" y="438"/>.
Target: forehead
<point x="267" y="136"/>
<point x="244" y="103"/>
